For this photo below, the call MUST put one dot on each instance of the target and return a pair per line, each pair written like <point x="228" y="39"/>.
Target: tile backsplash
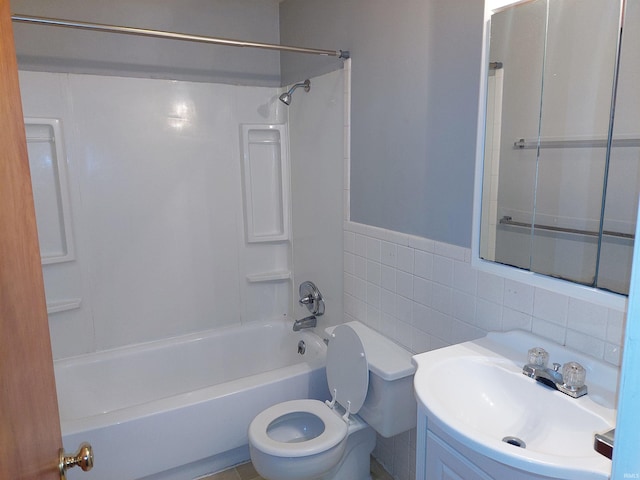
<point x="425" y="294"/>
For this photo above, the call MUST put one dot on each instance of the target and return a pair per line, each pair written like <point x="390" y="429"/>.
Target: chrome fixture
<point x="569" y="381"/>
<point x="603" y="443"/>
<point x="515" y="441"/>
<point x="312" y="298"/>
<point x="507" y="220"/>
<point x="302" y="347"/>
<point x="144" y="32"/>
<point x="286" y="97"/>
<point x="306" y="322"/>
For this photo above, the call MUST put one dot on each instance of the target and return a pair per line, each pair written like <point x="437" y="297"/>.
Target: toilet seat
<point x="347" y="370"/>
<point x="335" y="429"/>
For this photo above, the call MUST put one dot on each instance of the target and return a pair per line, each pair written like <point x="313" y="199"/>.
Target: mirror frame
<point x="600" y="297"/>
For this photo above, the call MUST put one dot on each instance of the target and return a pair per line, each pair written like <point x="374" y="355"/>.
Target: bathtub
<point x="180" y="408"/>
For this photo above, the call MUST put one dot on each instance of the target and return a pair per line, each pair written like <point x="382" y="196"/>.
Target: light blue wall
<point x="416" y="66"/>
<point x="56" y="49"/>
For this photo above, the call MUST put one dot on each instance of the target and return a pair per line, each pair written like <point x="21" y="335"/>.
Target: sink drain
<point x="515" y="441"/>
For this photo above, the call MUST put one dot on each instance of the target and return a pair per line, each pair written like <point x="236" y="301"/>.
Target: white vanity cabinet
<point x="443" y="462"/>
<point x="440" y="457"/>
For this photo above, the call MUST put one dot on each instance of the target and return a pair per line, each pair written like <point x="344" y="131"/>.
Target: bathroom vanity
<point x="480" y="417"/>
<point x="448" y="459"/>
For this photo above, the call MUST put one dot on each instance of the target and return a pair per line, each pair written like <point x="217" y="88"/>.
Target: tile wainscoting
<point x="425" y="294"/>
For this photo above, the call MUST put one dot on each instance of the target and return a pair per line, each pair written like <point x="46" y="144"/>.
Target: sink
<point x="476" y="393"/>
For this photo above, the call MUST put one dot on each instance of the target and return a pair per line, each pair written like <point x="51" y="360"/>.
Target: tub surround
<point x="156" y="208"/>
<point x="316" y="131"/>
<point x="155" y="178"/>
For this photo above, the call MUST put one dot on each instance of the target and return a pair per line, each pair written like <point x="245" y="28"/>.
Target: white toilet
<point x="312" y="440"/>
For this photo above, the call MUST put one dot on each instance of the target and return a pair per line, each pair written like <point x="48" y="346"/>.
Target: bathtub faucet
<point x="306" y="322"/>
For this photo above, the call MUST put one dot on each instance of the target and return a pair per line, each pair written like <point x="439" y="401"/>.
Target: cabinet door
<point x="444" y="463"/>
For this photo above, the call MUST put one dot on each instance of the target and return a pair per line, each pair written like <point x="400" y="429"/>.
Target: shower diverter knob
<point x="306" y="300"/>
<point x="312" y="298"/>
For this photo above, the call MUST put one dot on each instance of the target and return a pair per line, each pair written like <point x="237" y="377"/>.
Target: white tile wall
<point x="437" y="284"/>
<point x="156" y="203"/>
<point x="425" y="294"/>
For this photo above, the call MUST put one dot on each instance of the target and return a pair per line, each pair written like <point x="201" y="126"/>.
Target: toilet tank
<point x="390" y="405"/>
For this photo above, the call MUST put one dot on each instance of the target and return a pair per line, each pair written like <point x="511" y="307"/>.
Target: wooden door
<point x="29" y="425"/>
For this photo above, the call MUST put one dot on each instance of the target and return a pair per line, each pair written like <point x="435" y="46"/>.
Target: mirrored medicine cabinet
<point x="560" y="171"/>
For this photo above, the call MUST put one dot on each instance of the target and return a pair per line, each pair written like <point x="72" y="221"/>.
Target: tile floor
<point x="247" y="472"/>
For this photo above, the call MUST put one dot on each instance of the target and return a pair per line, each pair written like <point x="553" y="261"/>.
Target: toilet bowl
<point x="310" y="439"/>
<point x="297" y="440"/>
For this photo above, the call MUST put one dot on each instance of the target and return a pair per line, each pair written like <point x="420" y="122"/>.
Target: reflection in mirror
<point x="624" y="168"/>
<point x="517" y="47"/>
<point x="558" y="198"/>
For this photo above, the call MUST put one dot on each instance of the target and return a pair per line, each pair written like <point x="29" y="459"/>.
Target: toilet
<point x="371" y="383"/>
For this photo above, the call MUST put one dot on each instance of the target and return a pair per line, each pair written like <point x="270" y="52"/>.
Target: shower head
<point x="286" y="97"/>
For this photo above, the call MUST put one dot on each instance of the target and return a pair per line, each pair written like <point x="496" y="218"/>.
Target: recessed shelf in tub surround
<point x="47" y="161"/>
<point x="266" y="182"/>
<point x="49" y="178"/>
<point x="63" y="305"/>
<point x="267" y="216"/>
<point x="269" y="277"/>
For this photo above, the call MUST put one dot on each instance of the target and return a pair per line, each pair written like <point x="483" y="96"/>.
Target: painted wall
<point x="414" y="105"/>
<point x="63" y="50"/>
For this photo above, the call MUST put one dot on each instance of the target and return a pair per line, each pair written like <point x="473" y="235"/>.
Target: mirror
<point x="561" y="174"/>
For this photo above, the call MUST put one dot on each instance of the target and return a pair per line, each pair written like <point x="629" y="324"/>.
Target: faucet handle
<point x="306" y="300"/>
<point x="573" y="375"/>
<point x="538" y="356"/>
<point x="312" y="298"/>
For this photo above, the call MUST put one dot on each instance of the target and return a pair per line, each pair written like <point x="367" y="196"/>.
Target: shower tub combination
<point x="179" y="408"/>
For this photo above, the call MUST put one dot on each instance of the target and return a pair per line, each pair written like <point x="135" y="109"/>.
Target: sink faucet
<point x="546" y="375"/>
<point x="570" y="381"/>
<point x="306" y="322"/>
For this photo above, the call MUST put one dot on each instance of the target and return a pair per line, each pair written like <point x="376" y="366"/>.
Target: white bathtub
<point x="179" y="408"/>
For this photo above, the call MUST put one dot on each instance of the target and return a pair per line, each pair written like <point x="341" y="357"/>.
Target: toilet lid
<point x="347" y="368"/>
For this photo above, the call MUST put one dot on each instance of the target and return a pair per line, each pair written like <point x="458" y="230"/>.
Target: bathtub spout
<point x="306" y="322"/>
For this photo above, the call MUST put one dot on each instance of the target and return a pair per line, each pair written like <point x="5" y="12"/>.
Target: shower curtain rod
<point x="143" y="32"/>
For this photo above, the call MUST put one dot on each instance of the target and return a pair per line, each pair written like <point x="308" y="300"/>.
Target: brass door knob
<point x="83" y="458"/>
